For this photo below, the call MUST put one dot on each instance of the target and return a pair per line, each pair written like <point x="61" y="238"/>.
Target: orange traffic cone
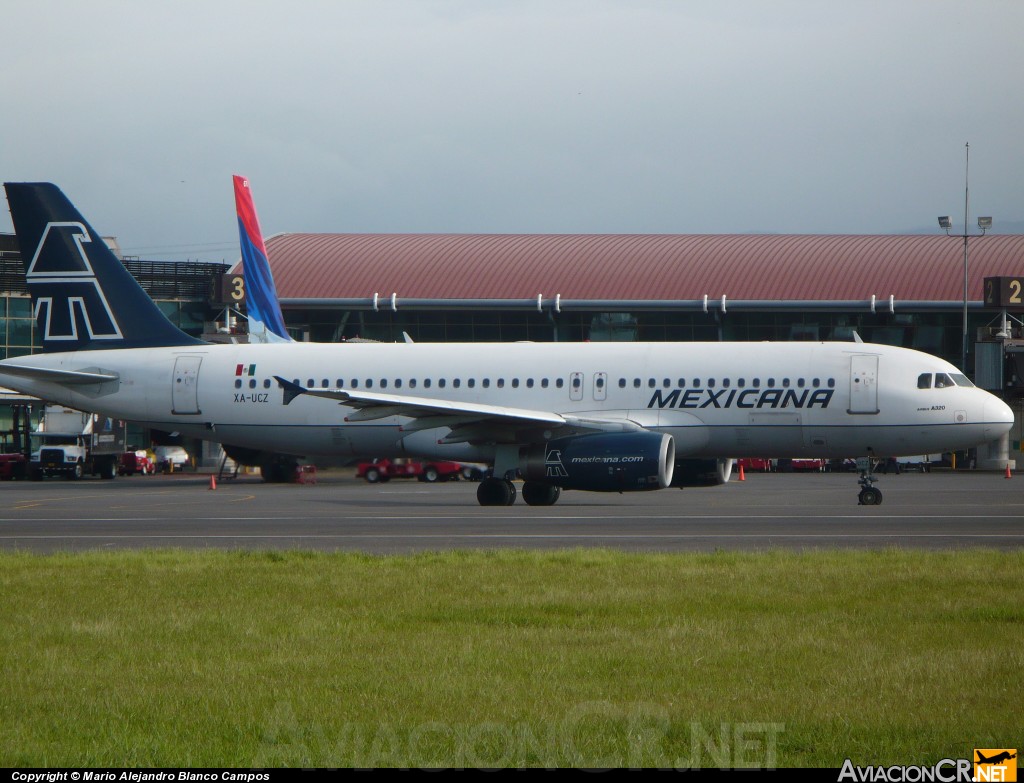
<point x="1008" y="473"/>
<point x="213" y="481"/>
<point x="742" y="477"/>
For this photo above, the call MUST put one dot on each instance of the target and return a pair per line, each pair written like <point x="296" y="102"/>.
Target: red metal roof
<point x="634" y="266"/>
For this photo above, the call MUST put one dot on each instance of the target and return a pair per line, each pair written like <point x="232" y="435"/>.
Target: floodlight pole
<point x="984" y="224"/>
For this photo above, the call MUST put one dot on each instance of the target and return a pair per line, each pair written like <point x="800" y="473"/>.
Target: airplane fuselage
<point x="715" y="399"/>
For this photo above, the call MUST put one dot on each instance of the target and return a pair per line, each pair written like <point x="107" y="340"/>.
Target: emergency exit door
<point x="185" y="385"/>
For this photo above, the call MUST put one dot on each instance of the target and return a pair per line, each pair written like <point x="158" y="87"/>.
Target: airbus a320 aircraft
<point x="590" y="416"/>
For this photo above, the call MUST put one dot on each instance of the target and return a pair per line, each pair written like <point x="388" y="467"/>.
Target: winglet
<point x="291" y="390"/>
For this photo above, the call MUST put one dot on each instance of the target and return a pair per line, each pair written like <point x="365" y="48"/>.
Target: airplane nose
<point x="998" y="415"/>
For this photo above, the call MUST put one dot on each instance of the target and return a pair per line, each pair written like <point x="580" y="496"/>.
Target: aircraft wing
<point x="74" y="377"/>
<point x="468" y="420"/>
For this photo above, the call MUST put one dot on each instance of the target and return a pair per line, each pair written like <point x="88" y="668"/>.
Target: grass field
<point x="591" y="658"/>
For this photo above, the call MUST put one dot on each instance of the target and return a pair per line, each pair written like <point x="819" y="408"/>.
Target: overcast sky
<point x="595" y="116"/>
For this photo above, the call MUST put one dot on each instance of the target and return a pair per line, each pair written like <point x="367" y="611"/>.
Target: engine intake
<point x="612" y="462"/>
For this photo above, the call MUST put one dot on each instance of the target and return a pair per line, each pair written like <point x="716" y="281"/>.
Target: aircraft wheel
<point x="540" y="494"/>
<point x="869" y="496"/>
<point x="496" y="492"/>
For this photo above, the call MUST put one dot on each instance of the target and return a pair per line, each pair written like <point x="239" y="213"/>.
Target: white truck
<point x="73" y="444"/>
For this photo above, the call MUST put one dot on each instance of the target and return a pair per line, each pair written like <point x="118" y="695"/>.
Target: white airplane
<point x="613" y="417"/>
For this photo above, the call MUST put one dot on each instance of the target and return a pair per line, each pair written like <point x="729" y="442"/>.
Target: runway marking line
<point x="616" y="536"/>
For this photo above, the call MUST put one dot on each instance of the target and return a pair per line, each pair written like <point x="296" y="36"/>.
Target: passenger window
<point x="771" y="382"/>
<point x="487" y="383"/>
<point x="757" y="383"/>
<point x="324" y="383"/>
<point x="471" y="383"/>
<point x="741" y="382"/>
<point x="924" y="380"/>
<point x="666" y="383"/>
<point x="238" y="383"/>
<point x="576" y="382"/>
<point x="622" y="383"/>
<point x="355" y="383"/>
<point x="529" y="383"/>
<point x="369" y="383"/>
<point x="696" y="382"/>
<point x="398" y="383"/>
<point x="544" y="383"/>
<point x="515" y="383"/>
<point x="682" y="382"/>
<point x="650" y="383"/>
<point x="310" y="383"/>
<point x="383" y="383"/>
<point x="725" y="383"/>
<point x="636" y="383"/>
<point x="785" y="383"/>
<point x="560" y="383"/>
<point x="599" y="382"/>
<point x="412" y="383"/>
<point x="456" y="383"/>
<point x="800" y="383"/>
<point x="831" y="383"/>
<point x="266" y="383"/>
<point x="252" y="383"/>
<point x="711" y="383"/>
<point x="339" y="383"/>
<point x="816" y="383"/>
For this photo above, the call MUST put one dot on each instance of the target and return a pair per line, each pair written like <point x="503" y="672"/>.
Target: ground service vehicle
<point x="386" y="469"/>
<point x="73" y="444"/>
<point x="135" y="461"/>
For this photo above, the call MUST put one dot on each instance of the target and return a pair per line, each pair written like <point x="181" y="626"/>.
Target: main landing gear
<point x="501" y="492"/>
<point x="869" y="495"/>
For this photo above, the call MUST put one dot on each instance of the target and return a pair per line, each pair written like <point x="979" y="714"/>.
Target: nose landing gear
<point x="869" y="495"/>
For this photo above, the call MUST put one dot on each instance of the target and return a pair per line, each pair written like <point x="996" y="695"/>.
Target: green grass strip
<point x="511" y="658"/>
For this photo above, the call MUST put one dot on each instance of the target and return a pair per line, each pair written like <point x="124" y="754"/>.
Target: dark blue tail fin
<point x="82" y="296"/>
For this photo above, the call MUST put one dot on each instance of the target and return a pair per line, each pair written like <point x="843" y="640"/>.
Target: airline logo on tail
<point x="64" y="286"/>
<point x="266" y="323"/>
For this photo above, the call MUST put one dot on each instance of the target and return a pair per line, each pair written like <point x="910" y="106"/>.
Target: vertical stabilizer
<point x="266" y="323"/>
<point x="82" y="296"/>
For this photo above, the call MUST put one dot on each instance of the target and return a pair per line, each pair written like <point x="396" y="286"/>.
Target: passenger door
<point x="863" y="384"/>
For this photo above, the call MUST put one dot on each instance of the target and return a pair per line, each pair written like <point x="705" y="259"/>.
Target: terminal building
<point x="905" y="290"/>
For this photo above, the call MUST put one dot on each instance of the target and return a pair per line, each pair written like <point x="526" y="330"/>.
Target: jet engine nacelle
<point x="702" y="472"/>
<point x="606" y="462"/>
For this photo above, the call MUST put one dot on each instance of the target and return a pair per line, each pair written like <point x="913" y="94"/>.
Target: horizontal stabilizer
<point x="74" y="377"/>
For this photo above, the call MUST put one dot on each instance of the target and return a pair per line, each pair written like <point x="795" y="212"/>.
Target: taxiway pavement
<point x="937" y="510"/>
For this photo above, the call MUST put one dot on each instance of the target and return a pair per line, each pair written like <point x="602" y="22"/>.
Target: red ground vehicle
<point x="809" y="464"/>
<point x="12" y="466"/>
<point x="387" y="469"/>
<point x="755" y="463"/>
<point x="133" y="462"/>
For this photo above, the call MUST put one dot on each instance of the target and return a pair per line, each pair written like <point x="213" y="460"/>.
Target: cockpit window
<point x="924" y="380"/>
<point x="943" y="381"/>
<point x="961" y="380"/>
